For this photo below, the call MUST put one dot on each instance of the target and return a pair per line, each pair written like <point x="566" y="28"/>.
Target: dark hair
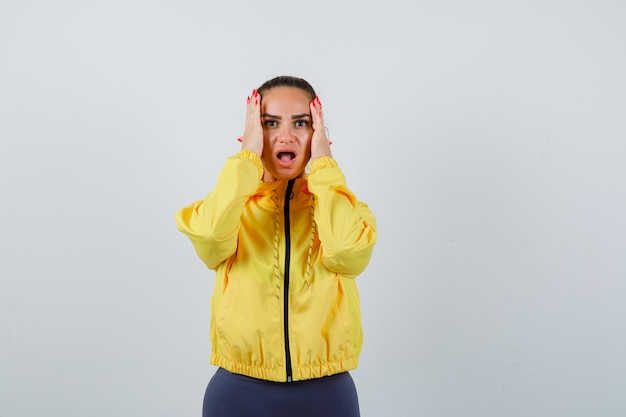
<point x="288" y="81"/>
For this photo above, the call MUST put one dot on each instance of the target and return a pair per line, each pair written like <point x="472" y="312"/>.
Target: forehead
<point x="285" y="99"/>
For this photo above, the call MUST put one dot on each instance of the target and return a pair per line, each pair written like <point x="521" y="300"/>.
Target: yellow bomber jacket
<point x="285" y="304"/>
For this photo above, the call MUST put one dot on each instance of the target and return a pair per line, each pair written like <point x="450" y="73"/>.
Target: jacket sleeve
<point x="212" y="224"/>
<point x="346" y="226"/>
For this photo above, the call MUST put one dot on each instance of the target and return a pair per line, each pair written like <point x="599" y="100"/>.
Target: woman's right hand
<point x="252" y="138"/>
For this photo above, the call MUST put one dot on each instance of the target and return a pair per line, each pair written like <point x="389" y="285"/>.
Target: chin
<point x="287" y="174"/>
<point x="291" y="176"/>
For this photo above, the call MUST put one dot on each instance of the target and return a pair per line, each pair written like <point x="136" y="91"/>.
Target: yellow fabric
<point x="238" y="230"/>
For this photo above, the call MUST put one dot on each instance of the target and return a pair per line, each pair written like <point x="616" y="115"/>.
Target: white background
<point x="488" y="138"/>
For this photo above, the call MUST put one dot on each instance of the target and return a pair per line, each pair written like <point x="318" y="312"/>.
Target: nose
<point x="285" y="135"/>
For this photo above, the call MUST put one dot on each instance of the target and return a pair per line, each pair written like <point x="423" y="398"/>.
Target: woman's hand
<point x="252" y="138"/>
<point x="320" y="145"/>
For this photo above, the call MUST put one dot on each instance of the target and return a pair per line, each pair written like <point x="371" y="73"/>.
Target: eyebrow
<point x="294" y="117"/>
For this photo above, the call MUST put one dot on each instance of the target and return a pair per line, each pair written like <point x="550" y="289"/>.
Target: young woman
<point x="286" y="247"/>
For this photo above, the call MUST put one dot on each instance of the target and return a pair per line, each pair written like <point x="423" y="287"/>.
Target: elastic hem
<point x="300" y="372"/>
<point x="322" y="162"/>
<point x="274" y="386"/>
<point x="255" y="158"/>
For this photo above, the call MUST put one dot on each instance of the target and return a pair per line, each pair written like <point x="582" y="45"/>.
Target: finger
<point x="253" y="109"/>
<point x="321" y="118"/>
<point x="317" y="115"/>
<point x="318" y="120"/>
<point x="253" y="102"/>
<point x="320" y="145"/>
<point x="253" y="132"/>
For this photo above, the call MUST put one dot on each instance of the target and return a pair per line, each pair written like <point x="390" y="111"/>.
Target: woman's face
<point x="287" y="131"/>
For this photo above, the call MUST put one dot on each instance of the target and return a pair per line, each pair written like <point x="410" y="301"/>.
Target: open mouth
<point x="286" y="159"/>
<point x="286" y="156"/>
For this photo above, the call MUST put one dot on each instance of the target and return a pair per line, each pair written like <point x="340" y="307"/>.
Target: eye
<point x="270" y="123"/>
<point x="301" y="123"/>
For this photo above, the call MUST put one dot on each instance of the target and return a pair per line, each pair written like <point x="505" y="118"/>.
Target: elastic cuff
<point x="322" y="162"/>
<point x="254" y="157"/>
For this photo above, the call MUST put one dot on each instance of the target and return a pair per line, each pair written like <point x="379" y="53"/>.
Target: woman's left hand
<point x="320" y="145"/>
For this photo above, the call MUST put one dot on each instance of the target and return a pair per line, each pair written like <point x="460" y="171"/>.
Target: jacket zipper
<point x="286" y="277"/>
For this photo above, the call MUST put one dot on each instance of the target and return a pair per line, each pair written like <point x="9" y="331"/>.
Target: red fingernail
<point x="313" y="102"/>
<point x="240" y="140"/>
<point x="319" y="102"/>
<point x="256" y="101"/>
<point x="254" y="93"/>
<point x="248" y="99"/>
<point x="330" y="142"/>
